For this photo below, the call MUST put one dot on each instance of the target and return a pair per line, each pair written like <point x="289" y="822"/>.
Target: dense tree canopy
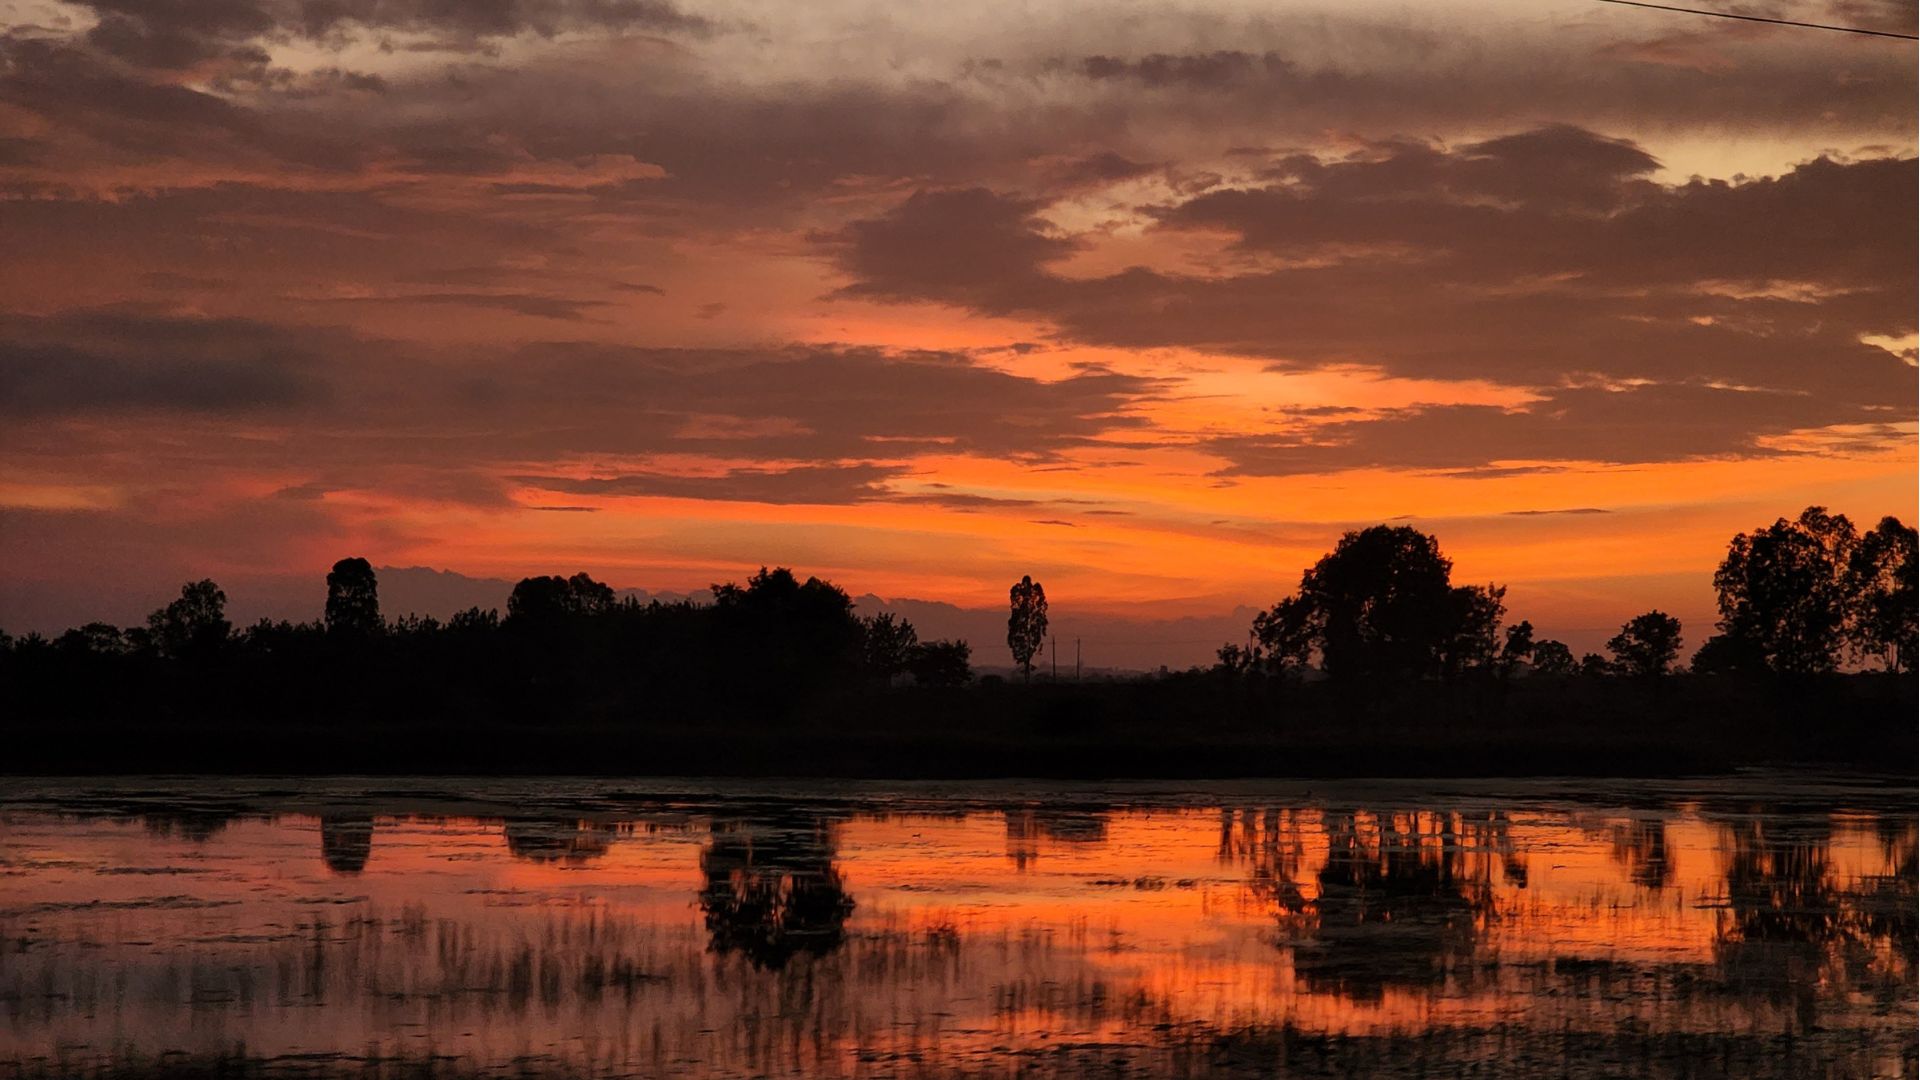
<point x="547" y="599"/>
<point x="1795" y="595"/>
<point x="353" y="599"/>
<point x="195" y="624"/>
<point x="1552" y="657"/>
<point x="1382" y="604"/>
<point x="1647" y="645"/>
<point x="1881" y="582"/>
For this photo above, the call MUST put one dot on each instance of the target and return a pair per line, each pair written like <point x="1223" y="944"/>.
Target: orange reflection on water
<point x="810" y="931"/>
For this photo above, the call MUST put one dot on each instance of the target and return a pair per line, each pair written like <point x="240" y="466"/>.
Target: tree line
<point x="1801" y="596"/>
<point x="567" y="645"/>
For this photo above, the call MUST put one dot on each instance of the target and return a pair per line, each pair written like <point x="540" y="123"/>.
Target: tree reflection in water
<point x="1028" y="826"/>
<point x="1744" y="935"/>
<point x="1400" y="901"/>
<point x="346" y="841"/>
<point x="770" y="890"/>
<point x="1793" y="932"/>
<point x="1640" y="845"/>
<point x="571" y="842"/>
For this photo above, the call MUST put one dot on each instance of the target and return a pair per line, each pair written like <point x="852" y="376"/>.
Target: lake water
<point x="1756" y="926"/>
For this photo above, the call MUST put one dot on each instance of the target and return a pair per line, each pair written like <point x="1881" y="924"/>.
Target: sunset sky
<point x="1148" y="300"/>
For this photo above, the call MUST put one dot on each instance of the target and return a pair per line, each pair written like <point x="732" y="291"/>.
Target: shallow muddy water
<point x="1762" y="925"/>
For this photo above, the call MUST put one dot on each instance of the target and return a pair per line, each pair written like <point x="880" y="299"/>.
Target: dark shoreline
<point x="1186" y="727"/>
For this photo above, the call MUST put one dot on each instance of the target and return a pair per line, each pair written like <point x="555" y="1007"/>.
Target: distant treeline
<point x="565" y="646"/>
<point x="1379" y="663"/>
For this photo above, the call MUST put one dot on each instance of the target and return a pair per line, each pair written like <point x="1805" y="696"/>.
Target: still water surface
<point x="1762" y="925"/>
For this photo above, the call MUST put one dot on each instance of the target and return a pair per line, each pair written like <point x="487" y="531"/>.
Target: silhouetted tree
<point x="1472" y="642"/>
<point x="1381" y="605"/>
<point x="1236" y="660"/>
<point x="195" y="624"/>
<point x="547" y="599"/>
<point x="1286" y="633"/>
<point x="1881" y="587"/>
<point x="1726" y="654"/>
<point x="788" y="633"/>
<point x="353" y="599"/>
<point x="1026" y="622"/>
<point x="474" y="620"/>
<point x="940" y="663"/>
<point x="1647" y="645"/>
<point x="887" y="644"/>
<point x="1552" y="657"/>
<point x="413" y="625"/>
<point x="1593" y="664"/>
<point x="1782" y="591"/>
<point x="1517" y="648"/>
<point x="94" y="639"/>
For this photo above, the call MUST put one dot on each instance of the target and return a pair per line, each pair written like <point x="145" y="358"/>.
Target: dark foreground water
<point x="1758" y="926"/>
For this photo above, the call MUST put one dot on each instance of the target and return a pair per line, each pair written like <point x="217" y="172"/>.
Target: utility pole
<point x="1053" y="646"/>
<point x="1076" y="659"/>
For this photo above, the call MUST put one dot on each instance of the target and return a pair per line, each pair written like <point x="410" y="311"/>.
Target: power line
<point x="1764" y="19"/>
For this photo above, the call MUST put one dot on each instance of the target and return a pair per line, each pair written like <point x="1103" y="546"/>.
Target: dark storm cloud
<point x="179" y="34"/>
<point x="965" y="502"/>
<point x="485" y="18"/>
<point x="1640" y="70"/>
<point x="357" y="413"/>
<point x="1546" y="258"/>
<point x="971" y="247"/>
<point x="1634" y="426"/>
<point x="1097" y="170"/>
<point x="110" y="362"/>
<point x="99" y="113"/>
<point x="1559" y="201"/>
<point x="732" y="147"/>
<point x="539" y="307"/>
<point x="806" y="402"/>
<point x="1204" y="71"/>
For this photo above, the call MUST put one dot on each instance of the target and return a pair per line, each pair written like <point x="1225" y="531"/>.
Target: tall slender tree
<point x="1026" y="622"/>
